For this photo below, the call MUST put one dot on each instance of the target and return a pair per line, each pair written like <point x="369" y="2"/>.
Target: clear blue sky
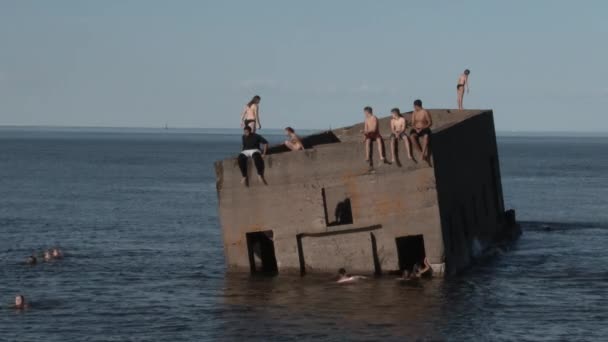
<point x="541" y="65"/>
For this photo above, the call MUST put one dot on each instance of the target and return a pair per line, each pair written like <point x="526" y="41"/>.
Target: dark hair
<point x="396" y="110"/>
<point x="342" y="271"/>
<point x="247" y="128"/>
<point x="467" y="71"/>
<point x="289" y="129"/>
<point x="256" y="99"/>
<point x="418" y="103"/>
<point x="368" y="109"/>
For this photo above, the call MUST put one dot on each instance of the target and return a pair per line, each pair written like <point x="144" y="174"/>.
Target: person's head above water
<point x="289" y="130"/>
<point x="342" y="272"/>
<point x="19" y="302"/>
<point x="417" y="104"/>
<point x="467" y="71"/>
<point x="247" y="130"/>
<point x="56" y="253"/>
<point x="368" y="110"/>
<point x="254" y="100"/>
<point x="47" y="255"/>
<point x="31" y="260"/>
<point x="395" y="112"/>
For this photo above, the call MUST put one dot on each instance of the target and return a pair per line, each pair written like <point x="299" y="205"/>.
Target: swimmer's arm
<point x="424" y="269"/>
<point x="467" y="83"/>
<point x="265" y="149"/>
<point x="428" y="114"/>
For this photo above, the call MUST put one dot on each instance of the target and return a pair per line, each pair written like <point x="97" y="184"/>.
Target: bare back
<point x="463" y="79"/>
<point x="250" y="112"/>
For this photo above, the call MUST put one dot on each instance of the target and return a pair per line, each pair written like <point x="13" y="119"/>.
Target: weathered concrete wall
<point x="402" y="200"/>
<point x="457" y="203"/>
<point x="468" y="187"/>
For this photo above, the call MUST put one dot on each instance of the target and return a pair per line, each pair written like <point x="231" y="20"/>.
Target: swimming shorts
<point x="401" y="136"/>
<point x="250" y="153"/>
<point x="423" y="132"/>
<point x="458" y="86"/>
<point x="248" y="121"/>
<point x="372" y="135"/>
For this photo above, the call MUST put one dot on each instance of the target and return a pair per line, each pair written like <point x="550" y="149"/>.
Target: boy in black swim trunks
<point x="398" y="125"/>
<point x="463" y="81"/>
<point x="422" y="122"/>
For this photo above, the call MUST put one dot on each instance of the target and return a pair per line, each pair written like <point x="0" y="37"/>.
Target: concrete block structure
<point x="324" y="208"/>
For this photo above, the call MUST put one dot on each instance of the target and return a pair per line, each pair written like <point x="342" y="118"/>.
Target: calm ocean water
<point x="135" y="212"/>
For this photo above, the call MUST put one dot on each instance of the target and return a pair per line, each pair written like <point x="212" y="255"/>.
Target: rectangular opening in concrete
<point x="337" y="206"/>
<point x="262" y="259"/>
<point x="410" y="251"/>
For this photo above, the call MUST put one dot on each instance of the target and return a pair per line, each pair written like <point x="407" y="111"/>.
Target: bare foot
<point x="261" y="179"/>
<point x="244" y="181"/>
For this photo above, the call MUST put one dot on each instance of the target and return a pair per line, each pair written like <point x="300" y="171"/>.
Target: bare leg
<point x="290" y="145"/>
<point x="367" y="149"/>
<point x="393" y="149"/>
<point x="379" y="142"/>
<point x="416" y="143"/>
<point x="242" y="160"/>
<point x="252" y="126"/>
<point x="425" y="147"/>
<point x="408" y="150"/>
<point x="460" y="97"/>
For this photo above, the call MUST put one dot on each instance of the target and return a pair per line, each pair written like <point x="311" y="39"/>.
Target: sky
<point x="540" y="65"/>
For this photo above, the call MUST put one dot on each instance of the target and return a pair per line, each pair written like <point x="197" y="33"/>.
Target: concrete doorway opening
<point x="260" y="246"/>
<point x="410" y="250"/>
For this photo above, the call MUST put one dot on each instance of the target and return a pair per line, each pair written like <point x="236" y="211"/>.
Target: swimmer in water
<point x="56" y="253"/>
<point x="344" y="277"/>
<point x="20" y="303"/>
<point x="47" y="255"/>
<point x="406" y="275"/>
<point x="31" y="260"/>
<point x="425" y="271"/>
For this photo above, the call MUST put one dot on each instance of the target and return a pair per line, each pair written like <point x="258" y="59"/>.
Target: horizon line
<point x="181" y="128"/>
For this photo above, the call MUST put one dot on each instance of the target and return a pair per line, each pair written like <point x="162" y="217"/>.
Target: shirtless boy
<point x="422" y="122"/>
<point x="293" y="142"/>
<point x="250" y="117"/>
<point x="463" y="81"/>
<point x="371" y="132"/>
<point x="398" y="133"/>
